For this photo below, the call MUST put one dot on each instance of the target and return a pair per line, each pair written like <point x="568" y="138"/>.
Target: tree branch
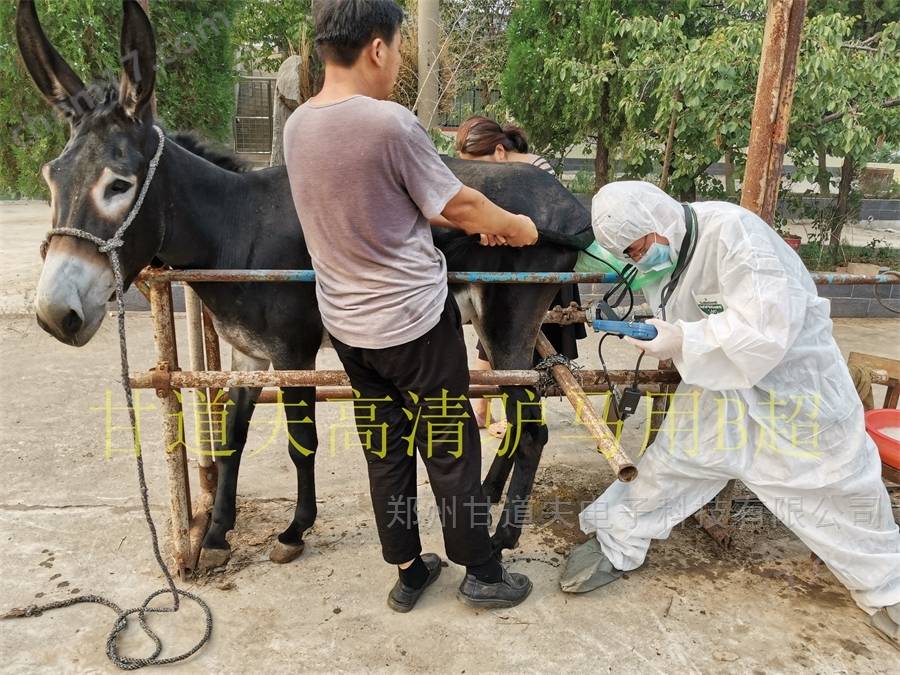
<point x="865" y="45"/>
<point x="872" y="38"/>
<point x="890" y="103"/>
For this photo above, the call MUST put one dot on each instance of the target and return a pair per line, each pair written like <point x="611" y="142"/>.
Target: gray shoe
<point x="403" y="598"/>
<point x="887" y="620"/>
<point x="587" y="568"/>
<point x="511" y="590"/>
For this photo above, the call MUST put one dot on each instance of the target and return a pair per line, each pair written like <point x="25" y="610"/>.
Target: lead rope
<point x="110" y="247"/>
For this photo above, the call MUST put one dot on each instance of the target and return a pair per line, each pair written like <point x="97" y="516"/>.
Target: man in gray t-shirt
<point x="366" y="180"/>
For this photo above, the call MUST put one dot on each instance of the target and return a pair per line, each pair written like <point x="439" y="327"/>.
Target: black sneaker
<point x="402" y="598"/>
<point x="512" y="589"/>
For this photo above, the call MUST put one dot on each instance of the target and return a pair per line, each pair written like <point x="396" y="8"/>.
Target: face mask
<point x="655" y="259"/>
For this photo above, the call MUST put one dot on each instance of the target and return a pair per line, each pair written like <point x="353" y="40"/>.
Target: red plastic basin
<point x="876" y="422"/>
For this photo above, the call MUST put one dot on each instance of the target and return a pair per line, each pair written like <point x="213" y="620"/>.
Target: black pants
<point x="412" y="397"/>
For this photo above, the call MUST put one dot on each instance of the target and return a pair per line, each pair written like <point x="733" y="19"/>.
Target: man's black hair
<point x="344" y="27"/>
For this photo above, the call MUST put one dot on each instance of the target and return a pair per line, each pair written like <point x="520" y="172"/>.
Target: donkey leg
<point x="300" y="413"/>
<point x="497" y="475"/>
<point x="508" y="323"/>
<point x="216" y="551"/>
<point x="526" y="424"/>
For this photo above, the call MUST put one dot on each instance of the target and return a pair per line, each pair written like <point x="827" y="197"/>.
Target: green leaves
<point x="264" y="32"/>
<point x="695" y="66"/>
<point x="194" y="82"/>
<point x="564" y="79"/>
<point x="841" y="90"/>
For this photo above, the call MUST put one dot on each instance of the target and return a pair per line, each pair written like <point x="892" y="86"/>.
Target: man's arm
<point x="429" y="183"/>
<point x="474" y="213"/>
<point x="486" y="239"/>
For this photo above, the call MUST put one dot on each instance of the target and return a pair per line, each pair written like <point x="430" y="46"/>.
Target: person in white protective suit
<point x="765" y="398"/>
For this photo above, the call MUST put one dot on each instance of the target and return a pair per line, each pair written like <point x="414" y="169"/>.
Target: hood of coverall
<point x="624" y="211"/>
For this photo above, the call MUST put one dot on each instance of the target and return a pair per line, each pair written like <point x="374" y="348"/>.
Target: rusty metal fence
<point x="189" y="520"/>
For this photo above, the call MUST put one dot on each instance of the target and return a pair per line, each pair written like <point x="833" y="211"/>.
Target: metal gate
<point x="253" y="117"/>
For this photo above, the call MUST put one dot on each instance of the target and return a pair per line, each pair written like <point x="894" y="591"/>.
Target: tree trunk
<point x="729" y="173"/>
<point x="690" y="194"/>
<point x="842" y="210"/>
<point x="601" y="158"/>
<point x="670" y="144"/>
<point x="823" y="176"/>
<point x="601" y="164"/>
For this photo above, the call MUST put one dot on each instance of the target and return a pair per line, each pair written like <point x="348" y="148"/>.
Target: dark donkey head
<point x="96" y="180"/>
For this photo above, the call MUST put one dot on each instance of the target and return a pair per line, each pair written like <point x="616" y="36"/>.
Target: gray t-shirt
<point x="365" y="178"/>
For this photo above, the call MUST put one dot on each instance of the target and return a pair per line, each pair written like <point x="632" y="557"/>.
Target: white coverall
<point x="766" y="398"/>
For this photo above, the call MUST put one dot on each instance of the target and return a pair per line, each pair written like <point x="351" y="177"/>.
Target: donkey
<point x="199" y="213"/>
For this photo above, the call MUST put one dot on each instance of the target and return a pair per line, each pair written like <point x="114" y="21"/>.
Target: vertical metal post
<point x="213" y="362"/>
<point x="428" y="25"/>
<point x="765" y="160"/>
<point x="772" y="108"/>
<point x="196" y="339"/>
<point x="173" y="425"/>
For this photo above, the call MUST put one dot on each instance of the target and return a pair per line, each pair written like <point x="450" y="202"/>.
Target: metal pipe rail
<point x="281" y="276"/>
<point x="187" y="527"/>
<point x="332" y="394"/>
<point x="164" y="380"/>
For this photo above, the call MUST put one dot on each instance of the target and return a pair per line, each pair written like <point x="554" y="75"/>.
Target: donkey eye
<point x="118" y="186"/>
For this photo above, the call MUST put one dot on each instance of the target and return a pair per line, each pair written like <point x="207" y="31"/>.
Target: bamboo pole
<point x="607" y="445"/>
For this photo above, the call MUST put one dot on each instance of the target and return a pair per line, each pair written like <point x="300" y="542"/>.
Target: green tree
<point x="266" y="32"/>
<point x="194" y="81"/>
<point x="690" y="89"/>
<point x="563" y="77"/>
<point x="558" y="80"/>
<point x="474" y="48"/>
<point x="846" y="103"/>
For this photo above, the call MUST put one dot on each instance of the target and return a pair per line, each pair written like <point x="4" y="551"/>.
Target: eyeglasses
<point x="635" y="252"/>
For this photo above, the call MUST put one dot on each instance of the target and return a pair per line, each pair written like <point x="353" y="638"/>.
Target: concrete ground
<point x="71" y="523"/>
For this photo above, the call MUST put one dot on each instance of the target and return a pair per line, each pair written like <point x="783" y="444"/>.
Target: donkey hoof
<point x="284" y="553"/>
<point x="211" y="558"/>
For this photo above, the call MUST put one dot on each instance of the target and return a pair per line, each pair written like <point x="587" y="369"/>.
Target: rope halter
<point x="110" y="247"/>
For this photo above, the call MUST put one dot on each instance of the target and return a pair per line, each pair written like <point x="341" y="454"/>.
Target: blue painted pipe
<point x="466" y="277"/>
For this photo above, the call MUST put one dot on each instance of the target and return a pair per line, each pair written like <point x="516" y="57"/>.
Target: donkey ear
<point x="137" y="50"/>
<point x="54" y="78"/>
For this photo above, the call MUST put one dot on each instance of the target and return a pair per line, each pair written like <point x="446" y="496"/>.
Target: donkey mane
<point x="220" y="157"/>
